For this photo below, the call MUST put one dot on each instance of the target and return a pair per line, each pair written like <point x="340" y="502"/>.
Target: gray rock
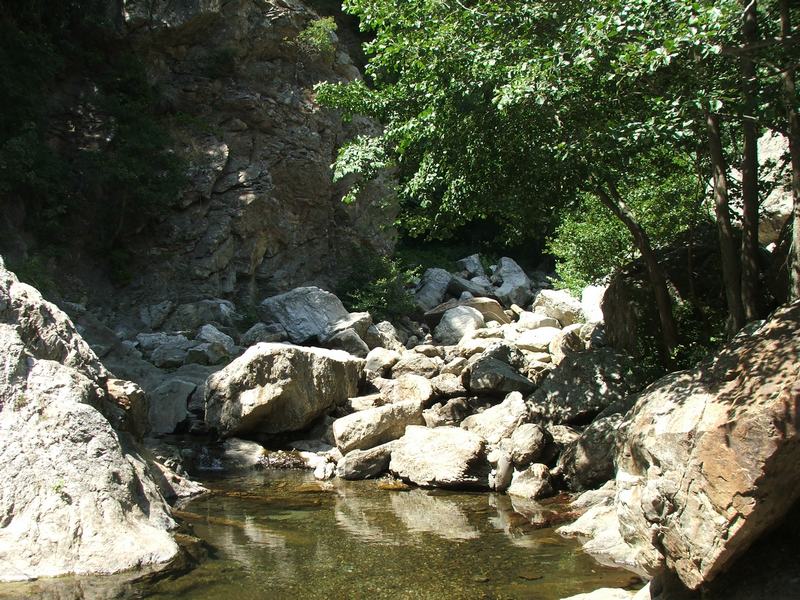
<point x="273" y="388"/>
<point x="307" y="314"/>
<point x="375" y="426"/>
<point x="533" y="482"/>
<point x="414" y="363"/>
<point x="528" y="444"/>
<point x="193" y="315"/>
<point x="459" y="286"/>
<point x="261" y="332"/>
<point x="558" y="304"/>
<point x="380" y="360"/>
<point x="168" y="405"/>
<point x="154" y="315"/>
<point x="349" y="341"/>
<point x="432" y="288"/>
<point x="452" y="413"/>
<point x="212" y="335"/>
<point x="589" y="461"/>
<point x="206" y="353"/>
<point x="492" y="377"/>
<point x="456" y="323"/>
<point x="472" y="266"/>
<point x="584" y="384"/>
<point x="500" y="421"/>
<point x="515" y="286"/>
<point x="531" y="320"/>
<point x="363" y="464"/>
<point x="170" y="352"/>
<point x="446" y="457"/>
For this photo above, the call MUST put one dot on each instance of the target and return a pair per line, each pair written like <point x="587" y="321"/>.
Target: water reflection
<point x="421" y="512"/>
<point x="282" y="535"/>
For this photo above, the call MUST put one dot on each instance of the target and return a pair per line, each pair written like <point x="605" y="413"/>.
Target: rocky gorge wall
<point x="261" y="214"/>
<point x="258" y="213"/>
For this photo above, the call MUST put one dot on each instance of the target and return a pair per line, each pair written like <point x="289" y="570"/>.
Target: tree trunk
<point x="658" y="281"/>
<point x="790" y="99"/>
<point x="750" y="201"/>
<point x="727" y="241"/>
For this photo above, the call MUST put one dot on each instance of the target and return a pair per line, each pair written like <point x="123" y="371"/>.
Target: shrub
<point x="317" y="40"/>
<point x="379" y="285"/>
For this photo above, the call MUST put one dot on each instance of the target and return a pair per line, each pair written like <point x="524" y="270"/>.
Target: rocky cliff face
<point x="261" y="214"/>
<point x="229" y="88"/>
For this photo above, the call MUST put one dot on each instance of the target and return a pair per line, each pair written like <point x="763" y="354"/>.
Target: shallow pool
<point x="281" y="534"/>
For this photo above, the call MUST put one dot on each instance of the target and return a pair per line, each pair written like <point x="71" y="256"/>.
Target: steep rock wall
<point x="261" y="214"/>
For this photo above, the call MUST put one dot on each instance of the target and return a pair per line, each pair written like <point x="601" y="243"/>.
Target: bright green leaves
<point x="363" y="157"/>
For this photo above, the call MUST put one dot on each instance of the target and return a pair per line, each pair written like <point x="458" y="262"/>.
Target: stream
<point x="278" y="534"/>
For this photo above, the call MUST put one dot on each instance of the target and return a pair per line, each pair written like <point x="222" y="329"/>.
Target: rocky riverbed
<point x="515" y="405"/>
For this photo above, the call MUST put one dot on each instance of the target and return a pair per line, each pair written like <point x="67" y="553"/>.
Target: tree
<point x="516" y="109"/>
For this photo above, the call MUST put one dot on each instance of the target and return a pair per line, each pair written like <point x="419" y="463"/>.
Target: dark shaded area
<point x="694" y="274"/>
<point x="85" y="160"/>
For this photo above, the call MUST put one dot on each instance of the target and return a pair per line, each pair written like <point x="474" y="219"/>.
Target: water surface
<point x="281" y="534"/>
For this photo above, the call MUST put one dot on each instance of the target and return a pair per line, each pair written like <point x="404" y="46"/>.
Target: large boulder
<point x="710" y="457"/>
<point x="374" y="426"/>
<point x="586" y="383"/>
<point x="309" y="314"/>
<point x="456" y="323"/>
<point x="76" y="497"/>
<point x="558" y="304"/>
<point x="500" y="421"/>
<point x="363" y="464"/>
<point x="490" y="309"/>
<point x="432" y="288"/>
<point x="446" y="457"/>
<point x="533" y="482"/>
<point x="492" y="377"/>
<point x="589" y="461"/>
<point x="274" y="388"/>
<point x="515" y="286"/>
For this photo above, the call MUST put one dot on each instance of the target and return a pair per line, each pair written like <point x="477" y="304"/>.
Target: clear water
<point x="281" y="534"/>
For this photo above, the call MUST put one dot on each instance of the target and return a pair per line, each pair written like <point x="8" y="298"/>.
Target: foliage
<point x="589" y="243"/>
<point x="317" y="39"/>
<point x="380" y="285"/>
